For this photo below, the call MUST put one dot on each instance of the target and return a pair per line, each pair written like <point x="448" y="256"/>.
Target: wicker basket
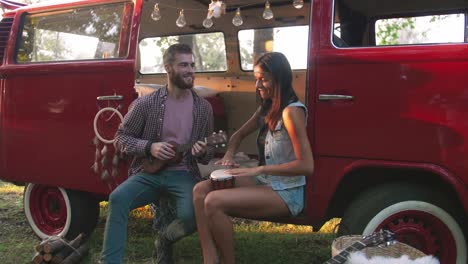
<point x="396" y="250"/>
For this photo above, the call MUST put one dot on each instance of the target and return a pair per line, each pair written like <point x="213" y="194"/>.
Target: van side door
<point x="66" y="63"/>
<point x="392" y="86"/>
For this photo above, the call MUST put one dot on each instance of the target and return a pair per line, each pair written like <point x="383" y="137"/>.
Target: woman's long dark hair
<point x="283" y="93"/>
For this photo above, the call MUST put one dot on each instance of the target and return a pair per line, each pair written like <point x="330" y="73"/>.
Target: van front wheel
<point x="54" y="211"/>
<point x="422" y="218"/>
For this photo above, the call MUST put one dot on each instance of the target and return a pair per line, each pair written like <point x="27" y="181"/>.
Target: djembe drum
<point x="221" y="180"/>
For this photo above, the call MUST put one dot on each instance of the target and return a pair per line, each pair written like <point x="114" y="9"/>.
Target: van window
<point x="209" y="50"/>
<point x="420" y="30"/>
<point x="255" y="42"/>
<point x="94" y="32"/>
<point x="362" y="23"/>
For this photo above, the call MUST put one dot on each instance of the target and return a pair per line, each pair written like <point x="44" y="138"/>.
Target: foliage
<point x="393" y="31"/>
<point x="442" y="17"/>
<point x="209" y="51"/>
<point x="389" y="30"/>
<point x="214" y="50"/>
<point x="48" y="38"/>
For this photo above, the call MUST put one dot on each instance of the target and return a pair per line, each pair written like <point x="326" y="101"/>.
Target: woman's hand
<point x="246" y="172"/>
<point x="228" y="161"/>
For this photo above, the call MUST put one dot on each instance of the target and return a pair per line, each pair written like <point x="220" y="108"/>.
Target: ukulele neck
<point x="342" y="257"/>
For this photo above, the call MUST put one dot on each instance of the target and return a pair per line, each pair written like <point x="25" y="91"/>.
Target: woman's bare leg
<point x="223" y="233"/>
<point x="200" y="192"/>
<point x="206" y="240"/>
<point x="249" y="202"/>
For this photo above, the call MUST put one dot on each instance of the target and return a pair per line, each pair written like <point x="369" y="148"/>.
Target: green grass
<point x="256" y="242"/>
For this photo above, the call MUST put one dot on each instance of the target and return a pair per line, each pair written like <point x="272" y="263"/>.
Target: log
<point x="37" y="258"/>
<point x="77" y="255"/>
<point x="54" y="245"/>
<point x="67" y="250"/>
<point x="40" y="247"/>
<point x="47" y="257"/>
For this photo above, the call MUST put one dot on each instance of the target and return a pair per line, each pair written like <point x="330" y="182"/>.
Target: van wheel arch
<point x="361" y="180"/>
<point x="55" y="211"/>
<point x="416" y="214"/>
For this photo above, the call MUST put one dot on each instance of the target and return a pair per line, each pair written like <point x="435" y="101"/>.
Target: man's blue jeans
<point x="142" y="189"/>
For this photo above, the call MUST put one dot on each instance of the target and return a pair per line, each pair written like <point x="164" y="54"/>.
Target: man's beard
<point x="179" y="81"/>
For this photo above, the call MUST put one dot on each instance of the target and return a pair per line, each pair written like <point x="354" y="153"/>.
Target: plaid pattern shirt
<point x="143" y="123"/>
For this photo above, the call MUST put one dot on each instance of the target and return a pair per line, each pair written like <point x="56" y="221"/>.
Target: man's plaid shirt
<point x="142" y="125"/>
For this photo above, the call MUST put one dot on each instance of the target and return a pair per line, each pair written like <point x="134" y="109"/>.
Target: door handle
<point x="109" y="97"/>
<point x="328" y="97"/>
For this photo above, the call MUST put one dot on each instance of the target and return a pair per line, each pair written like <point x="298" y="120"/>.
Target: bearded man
<point x="176" y="114"/>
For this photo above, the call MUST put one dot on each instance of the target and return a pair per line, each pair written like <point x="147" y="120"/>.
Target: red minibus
<point x="385" y="83"/>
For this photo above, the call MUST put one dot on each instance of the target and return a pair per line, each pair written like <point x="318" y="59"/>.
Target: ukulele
<point x="153" y="165"/>
<point x="372" y="240"/>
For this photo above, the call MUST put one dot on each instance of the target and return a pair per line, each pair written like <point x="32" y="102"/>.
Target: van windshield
<point x="93" y="32"/>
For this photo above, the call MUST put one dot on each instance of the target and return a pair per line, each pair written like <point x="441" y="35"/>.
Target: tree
<point x="412" y="30"/>
<point x="261" y="40"/>
<point x="389" y="30"/>
<point x="49" y="37"/>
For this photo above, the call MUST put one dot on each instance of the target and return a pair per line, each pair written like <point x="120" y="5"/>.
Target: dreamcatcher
<point x="107" y="154"/>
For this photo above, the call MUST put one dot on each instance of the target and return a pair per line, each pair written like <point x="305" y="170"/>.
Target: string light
<point x="181" y="22"/>
<point x="267" y="13"/>
<point x="208" y="22"/>
<point x="298" y="4"/>
<point x="216" y="9"/>
<point x="156" y="14"/>
<point x="237" y="19"/>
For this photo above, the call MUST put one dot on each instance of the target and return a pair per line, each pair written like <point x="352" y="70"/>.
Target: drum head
<point x="219" y="175"/>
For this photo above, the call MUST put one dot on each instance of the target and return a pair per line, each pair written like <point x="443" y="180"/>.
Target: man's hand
<point x="162" y="150"/>
<point x="199" y="148"/>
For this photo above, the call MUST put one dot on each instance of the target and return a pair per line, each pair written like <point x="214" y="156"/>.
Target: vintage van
<point x="385" y="83"/>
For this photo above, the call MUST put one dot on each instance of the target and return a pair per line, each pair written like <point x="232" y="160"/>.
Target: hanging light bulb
<point x="208" y="22"/>
<point x="267" y="13"/>
<point x="156" y="14"/>
<point x="237" y="19"/>
<point x="181" y="22"/>
<point x="298" y="4"/>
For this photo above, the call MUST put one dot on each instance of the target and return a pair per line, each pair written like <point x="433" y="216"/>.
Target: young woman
<point x="276" y="186"/>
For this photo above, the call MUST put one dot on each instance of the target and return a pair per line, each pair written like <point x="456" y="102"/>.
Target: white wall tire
<point x="452" y="225"/>
<point x="421" y="217"/>
<point x="47" y="210"/>
<point x="54" y="211"/>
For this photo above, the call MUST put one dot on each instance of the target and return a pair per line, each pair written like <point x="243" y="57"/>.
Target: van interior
<point x="229" y="83"/>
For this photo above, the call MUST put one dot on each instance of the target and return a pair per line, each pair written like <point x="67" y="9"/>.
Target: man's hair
<point x="169" y="54"/>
